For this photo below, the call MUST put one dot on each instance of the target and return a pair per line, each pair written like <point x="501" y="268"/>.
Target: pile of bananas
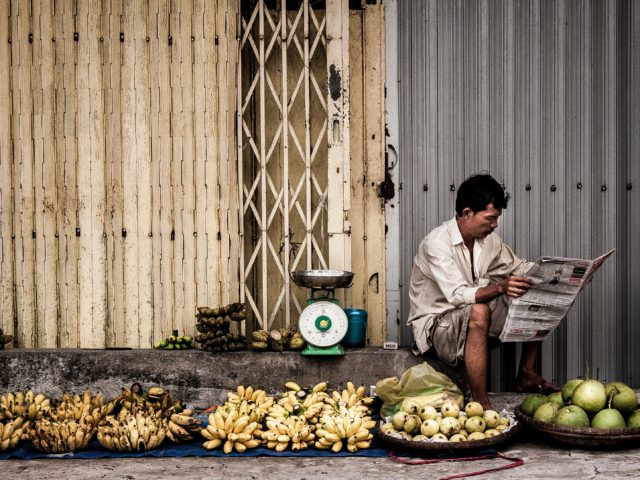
<point x="11" y="432"/>
<point x="180" y="424"/>
<point x="86" y="409"/>
<point x="277" y="340"/>
<point x="236" y="425"/>
<point x="70" y="423"/>
<point x="346" y="428"/>
<point x="349" y="424"/>
<point x="297" y="401"/>
<point x="175" y="342"/>
<point x="27" y="406"/>
<point x="234" y="430"/>
<point x="336" y="420"/>
<point x="183" y="426"/>
<point x="136" y="398"/>
<point x="68" y="435"/>
<point x="249" y="401"/>
<point x="214" y="327"/>
<point x="4" y="339"/>
<point x="292" y="430"/>
<point x="133" y="432"/>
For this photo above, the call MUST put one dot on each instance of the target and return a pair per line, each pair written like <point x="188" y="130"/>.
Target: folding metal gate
<point x="288" y="99"/>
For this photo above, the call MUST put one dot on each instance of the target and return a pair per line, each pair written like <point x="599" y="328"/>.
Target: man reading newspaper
<point x="463" y="276"/>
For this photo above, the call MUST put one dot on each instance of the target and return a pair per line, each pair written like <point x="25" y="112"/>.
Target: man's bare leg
<point x="476" y="352"/>
<point x="528" y="380"/>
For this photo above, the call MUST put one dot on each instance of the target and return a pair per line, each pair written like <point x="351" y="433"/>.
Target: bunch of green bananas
<point x="4" y="339"/>
<point x="23" y="405"/>
<point x="51" y="436"/>
<point x="214" y="327"/>
<point x="133" y="432"/>
<point x="11" y="433"/>
<point x="175" y="342"/>
<point x="277" y="340"/>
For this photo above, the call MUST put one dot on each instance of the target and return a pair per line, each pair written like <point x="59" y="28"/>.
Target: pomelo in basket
<point x="569" y="387"/>
<point x="547" y="412"/>
<point x="634" y="419"/>
<point x="608" y="418"/>
<point x="590" y="396"/>
<point x="572" y="416"/>
<point x="609" y="387"/>
<point x="556" y="397"/>
<point x="625" y="400"/>
<point x="532" y="402"/>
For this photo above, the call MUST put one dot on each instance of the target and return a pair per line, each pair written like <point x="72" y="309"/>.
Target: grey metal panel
<point x="546" y="97"/>
<point x="631" y="275"/>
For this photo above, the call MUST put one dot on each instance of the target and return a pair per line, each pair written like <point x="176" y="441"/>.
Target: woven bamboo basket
<point x="582" y="436"/>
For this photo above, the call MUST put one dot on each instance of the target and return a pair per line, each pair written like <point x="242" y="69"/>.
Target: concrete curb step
<point x="195" y="376"/>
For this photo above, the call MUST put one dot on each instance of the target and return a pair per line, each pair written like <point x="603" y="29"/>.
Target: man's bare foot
<point x="486" y="404"/>
<point x="531" y="382"/>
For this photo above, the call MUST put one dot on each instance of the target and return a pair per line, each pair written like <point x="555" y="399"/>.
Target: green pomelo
<point x="634" y="419"/>
<point x="532" y="402"/>
<point x="608" y="418"/>
<point x="626" y="401"/>
<point x="572" y="416"/>
<point x="590" y="396"/>
<point x="556" y="397"/>
<point x="547" y="412"/>
<point x="609" y="387"/>
<point x="569" y="387"/>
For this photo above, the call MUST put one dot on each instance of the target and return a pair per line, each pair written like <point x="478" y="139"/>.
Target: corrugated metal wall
<point x="544" y="96"/>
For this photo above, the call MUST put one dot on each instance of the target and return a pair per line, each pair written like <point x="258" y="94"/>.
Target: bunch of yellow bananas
<point x="23" y="405"/>
<point x="67" y="435"/>
<point x="292" y="430"/>
<point x="131" y="432"/>
<point x="11" y="433"/>
<point x="346" y="429"/>
<point x="353" y="397"/>
<point x="85" y="409"/>
<point x="183" y="426"/>
<point x="232" y="431"/>
<point x="249" y="401"/>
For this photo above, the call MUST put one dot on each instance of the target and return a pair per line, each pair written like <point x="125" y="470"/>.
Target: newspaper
<point x="556" y="284"/>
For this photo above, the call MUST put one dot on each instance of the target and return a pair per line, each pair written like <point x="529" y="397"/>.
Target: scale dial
<point x="323" y="324"/>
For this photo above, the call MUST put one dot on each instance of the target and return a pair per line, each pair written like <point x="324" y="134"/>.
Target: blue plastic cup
<point x="356" y="335"/>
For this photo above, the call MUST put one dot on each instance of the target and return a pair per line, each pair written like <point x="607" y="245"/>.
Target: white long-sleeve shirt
<point x="441" y="278"/>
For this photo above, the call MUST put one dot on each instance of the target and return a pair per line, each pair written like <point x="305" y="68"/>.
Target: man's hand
<point x="515" y="286"/>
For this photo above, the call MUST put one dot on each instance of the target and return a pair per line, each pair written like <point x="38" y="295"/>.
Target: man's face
<point x="482" y="223"/>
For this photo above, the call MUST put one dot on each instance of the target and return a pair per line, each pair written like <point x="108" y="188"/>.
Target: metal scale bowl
<point x="323" y="324"/>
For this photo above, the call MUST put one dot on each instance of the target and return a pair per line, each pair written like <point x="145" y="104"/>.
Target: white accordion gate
<point x="293" y="152"/>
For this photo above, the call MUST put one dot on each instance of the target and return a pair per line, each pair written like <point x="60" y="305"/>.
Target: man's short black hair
<point x="478" y="191"/>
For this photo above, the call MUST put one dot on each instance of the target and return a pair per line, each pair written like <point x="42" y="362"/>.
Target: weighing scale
<point x="323" y="324"/>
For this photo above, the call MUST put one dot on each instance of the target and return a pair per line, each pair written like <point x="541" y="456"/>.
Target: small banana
<point x="320" y="387"/>
<point x="292" y="386"/>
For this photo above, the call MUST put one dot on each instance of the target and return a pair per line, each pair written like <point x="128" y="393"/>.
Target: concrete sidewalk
<point x="542" y="461"/>
<point x="202" y="379"/>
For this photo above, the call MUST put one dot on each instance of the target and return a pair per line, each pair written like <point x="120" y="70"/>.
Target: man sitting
<point x="462" y="278"/>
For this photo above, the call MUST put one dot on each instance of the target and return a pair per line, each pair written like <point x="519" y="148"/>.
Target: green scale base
<point x="332" y="350"/>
